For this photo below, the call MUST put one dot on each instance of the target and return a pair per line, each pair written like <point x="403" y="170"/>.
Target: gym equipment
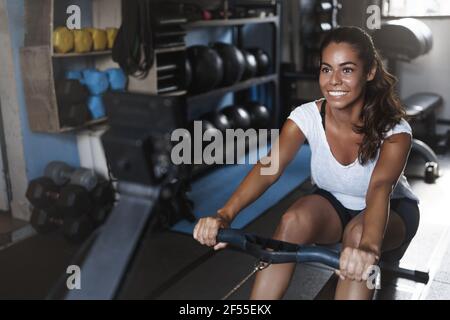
<point x="207" y="68"/>
<point x="407" y="39"/>
<point x="71" y="97"/>
<point x="103" y="197"/>
<point x="117" y="79"/>
<point x="233" y="63"/>
<point x="188" y="73"/>
<point x="218" y="120"/>
<point x="75" y="229"/>
<point x="238" y="117"/>
<point x="61" y="174"/>
<point x="259" y="115"/>
<point x="137" y="125"/>
<point x="82" y="41"/>
<point x="269" y="251"/>
<point x="99" y="39"/>
<point x="96" y="81"/>
<point x="42" y="193"/>
<point x="251" y="65"/>
<point x="74" y="75"/>
<point x="111" y="34"/>
<point x="63" y="40"/>
<point x="74" y="200"/>
<point x="44" y="220"/>
<point x="96" y="107"/>
<point x="262" y="60"/>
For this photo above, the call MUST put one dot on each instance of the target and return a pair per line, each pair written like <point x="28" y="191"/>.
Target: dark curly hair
<point x="382" y="108"/>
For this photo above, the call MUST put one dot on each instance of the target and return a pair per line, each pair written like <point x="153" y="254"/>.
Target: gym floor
<point x="171" y="265"/>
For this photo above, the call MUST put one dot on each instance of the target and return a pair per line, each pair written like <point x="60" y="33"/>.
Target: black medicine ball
<point x="233" y="63"/>
<point x="207" y="68"/>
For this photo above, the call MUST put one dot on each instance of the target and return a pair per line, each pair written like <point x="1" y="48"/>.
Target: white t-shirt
<point x="349" y="184"/>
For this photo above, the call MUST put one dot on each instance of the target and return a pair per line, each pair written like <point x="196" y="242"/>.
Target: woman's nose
<point x="335" y="78"/>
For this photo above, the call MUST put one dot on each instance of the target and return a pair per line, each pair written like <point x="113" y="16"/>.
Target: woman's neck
<point x="349" y="116"/>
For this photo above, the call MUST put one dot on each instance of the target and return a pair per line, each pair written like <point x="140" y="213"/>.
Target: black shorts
<point x="407" y="209"/>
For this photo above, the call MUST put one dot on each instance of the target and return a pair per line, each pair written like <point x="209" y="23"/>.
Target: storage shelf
<point x="237" y="87"/>
<point x="230" y="22"/>
<point x="87" y="54"/>
<point x="86" y="125"/>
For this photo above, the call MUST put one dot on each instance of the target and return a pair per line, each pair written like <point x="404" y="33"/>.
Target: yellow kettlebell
<point x="83" y="41"/>
<point x="111" y="34"/>
<point x="99" y="39"/>
<point x="63" y="40"/>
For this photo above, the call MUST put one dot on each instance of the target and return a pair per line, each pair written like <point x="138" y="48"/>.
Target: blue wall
<point x="39" y="149"/>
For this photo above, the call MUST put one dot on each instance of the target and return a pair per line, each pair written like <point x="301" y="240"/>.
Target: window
<point x="414" y="8"/>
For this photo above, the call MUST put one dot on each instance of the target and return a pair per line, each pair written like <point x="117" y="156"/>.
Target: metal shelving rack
<point x="194" y="102"/>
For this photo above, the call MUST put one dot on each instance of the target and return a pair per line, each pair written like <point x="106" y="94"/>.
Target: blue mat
<point x="211" y="192"/>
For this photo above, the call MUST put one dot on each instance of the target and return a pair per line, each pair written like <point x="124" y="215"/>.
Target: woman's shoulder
<point x="310" y="106"/>
<point x="401" y="127"/>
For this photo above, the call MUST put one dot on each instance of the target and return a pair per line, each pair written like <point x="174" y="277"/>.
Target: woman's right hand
<point x="206" y="231"/>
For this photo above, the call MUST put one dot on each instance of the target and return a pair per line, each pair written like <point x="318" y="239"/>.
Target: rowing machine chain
<point x="259" y="265"/>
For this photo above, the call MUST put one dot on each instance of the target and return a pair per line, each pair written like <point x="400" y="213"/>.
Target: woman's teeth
<point x="337" y="93"/>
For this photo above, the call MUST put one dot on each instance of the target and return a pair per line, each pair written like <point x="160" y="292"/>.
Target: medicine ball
<point x="233" y="63"/>
<point x="262" y="60"/>
<point x="259" y="115"/>
<point x="238" y="117"/>
<point x="207" y="68"/>
<point x="251" y="65"/>
<point x="219" y="120"/>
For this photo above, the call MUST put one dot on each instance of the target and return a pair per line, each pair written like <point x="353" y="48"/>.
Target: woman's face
<point x="342" y="78"/>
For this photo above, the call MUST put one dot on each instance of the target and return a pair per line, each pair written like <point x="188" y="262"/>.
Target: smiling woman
<point x="359" y="146"/>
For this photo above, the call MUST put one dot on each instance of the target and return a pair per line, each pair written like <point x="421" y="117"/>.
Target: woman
<point x="360" y="143"/>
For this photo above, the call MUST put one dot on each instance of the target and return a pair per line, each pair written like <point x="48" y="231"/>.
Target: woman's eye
<point x="325" y="70"/>
<point x="348" y="70"/>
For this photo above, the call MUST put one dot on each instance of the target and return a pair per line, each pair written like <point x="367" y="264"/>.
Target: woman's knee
<point x="296" y="226"/>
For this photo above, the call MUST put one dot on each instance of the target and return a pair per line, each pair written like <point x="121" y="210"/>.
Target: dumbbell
<point x="61" y="174"/>
<point x="103" y="198"/>
<point x="75" y="229"/>
<point x="74" y="200"/>
<point x="42" y="193"/>
<point x="44" y="220"/>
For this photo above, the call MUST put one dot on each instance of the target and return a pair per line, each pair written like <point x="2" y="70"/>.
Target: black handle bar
<point x="274" y="251"/>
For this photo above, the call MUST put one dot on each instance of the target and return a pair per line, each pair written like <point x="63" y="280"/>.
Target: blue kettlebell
<point x="96" y="107"/>
<point x="117" y="79"/>
<point x="96" y="81"/>
<point x="74" y="75"/>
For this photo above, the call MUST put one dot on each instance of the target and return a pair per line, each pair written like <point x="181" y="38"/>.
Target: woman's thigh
<point x="311" y="219"/>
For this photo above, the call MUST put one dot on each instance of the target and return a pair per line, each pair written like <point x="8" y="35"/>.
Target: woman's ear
<point x="372" y="72"/>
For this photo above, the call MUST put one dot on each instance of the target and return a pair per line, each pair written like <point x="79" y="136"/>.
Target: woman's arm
<point x="391" y="163"/>
<point x="253" y="185"/>
<point x="256" y="182"/>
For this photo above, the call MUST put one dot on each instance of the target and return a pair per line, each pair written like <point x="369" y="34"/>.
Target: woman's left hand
<point x="355" y="264"/>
